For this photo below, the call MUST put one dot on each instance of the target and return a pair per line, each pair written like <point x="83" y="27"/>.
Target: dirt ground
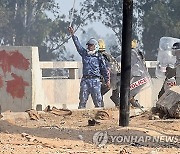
<point x="54" y="134"/>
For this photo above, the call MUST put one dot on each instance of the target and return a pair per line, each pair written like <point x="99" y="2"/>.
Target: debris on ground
<point x="153" y="117"/>
<point x="56" y="134"/>
<point x="47" y="109"/>
<point x="124" y="151"/>
<point x="93" y="122"/>
<point x="33" y="114"/>
<point x="169" y="103"/>
<point x="59" y="112"/>
<point x="29" y="137"/>
<point x="102" y="115"/>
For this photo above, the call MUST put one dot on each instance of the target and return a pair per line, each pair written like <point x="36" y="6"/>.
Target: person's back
<point x="113" y="68"/>
<point x="140" y="78"/>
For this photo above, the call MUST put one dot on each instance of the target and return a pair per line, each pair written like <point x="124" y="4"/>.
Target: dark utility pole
<point x="126" y="62"/>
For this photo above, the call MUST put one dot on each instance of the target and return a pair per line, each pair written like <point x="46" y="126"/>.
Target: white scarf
<point x="91" y="52"/>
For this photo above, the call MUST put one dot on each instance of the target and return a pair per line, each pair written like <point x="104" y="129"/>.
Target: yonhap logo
<point x="100" y="138"/>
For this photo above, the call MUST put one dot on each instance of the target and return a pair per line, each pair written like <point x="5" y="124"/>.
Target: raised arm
<point x="79" y="47"/>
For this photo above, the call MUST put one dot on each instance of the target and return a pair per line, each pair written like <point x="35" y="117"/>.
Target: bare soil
<point x="53" y="134"/>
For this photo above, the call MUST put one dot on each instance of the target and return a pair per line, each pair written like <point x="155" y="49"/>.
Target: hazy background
<point x="65" y="6"/>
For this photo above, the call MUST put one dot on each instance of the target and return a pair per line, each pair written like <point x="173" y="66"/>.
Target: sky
<point x="65" y="6"/>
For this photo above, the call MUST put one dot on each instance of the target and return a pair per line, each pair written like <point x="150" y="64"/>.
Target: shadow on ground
<point x="119" y="135"/>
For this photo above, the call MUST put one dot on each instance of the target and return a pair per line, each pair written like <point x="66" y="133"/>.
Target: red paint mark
<point x="4" y="61"/>
<point x="16" y="87"/>
<point x="1" y="82"/>
<point x="13" y="58"/>
<point x="19" y="61"/>
<point x="171" y="83"/>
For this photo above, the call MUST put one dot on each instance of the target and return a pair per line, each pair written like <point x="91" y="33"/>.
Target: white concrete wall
<point x="38" y="94"/>
<point x="62" y="93"/>
<point x="20" y="78"/>
<point x="65" y="92"/>
<point x="22" y="86"/>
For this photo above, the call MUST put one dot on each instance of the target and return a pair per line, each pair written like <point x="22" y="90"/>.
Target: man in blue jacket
<point x="93" y="67"/>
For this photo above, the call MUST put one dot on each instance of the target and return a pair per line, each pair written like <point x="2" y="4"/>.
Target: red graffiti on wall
<point x="1" y="82"/>
<point x="16" y="87"/>
<point x="9" y="59"/>
<point x="13" y="58"/>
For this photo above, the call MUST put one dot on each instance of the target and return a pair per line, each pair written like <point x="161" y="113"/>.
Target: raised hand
<point x="71" y="30"/>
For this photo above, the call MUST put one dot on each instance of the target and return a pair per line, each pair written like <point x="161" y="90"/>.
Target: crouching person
<point x="93" y="67"/>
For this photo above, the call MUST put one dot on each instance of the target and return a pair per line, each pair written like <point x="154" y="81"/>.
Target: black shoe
<point x="115" y="100"/>
<point x="81" y="107"/>
<point x="136" y="104"/>
<point x="93" y="122"/>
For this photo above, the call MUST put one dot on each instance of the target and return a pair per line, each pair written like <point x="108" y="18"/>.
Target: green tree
<point x="112" y="45"/>
<point x="110" y="14"/>
<point x="152" y="20"/>
<point x="26" y="23"/>
<point x="110" y="41"/>
<point x="3" y="17"/>
<point x="86" y="35"/>
<point x="161" y="19"/>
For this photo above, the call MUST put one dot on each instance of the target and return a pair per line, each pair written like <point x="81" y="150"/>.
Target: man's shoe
<point x="81" y="107"/>
<point x="116" y="101"/>
<point x="136" y="104"/>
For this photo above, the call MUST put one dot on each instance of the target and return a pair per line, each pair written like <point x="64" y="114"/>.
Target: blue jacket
<point x="93" y="65"/>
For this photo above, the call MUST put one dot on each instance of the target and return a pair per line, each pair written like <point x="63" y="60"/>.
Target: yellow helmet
<point x="102" y="45"/>
<point x="134" y="44"/>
